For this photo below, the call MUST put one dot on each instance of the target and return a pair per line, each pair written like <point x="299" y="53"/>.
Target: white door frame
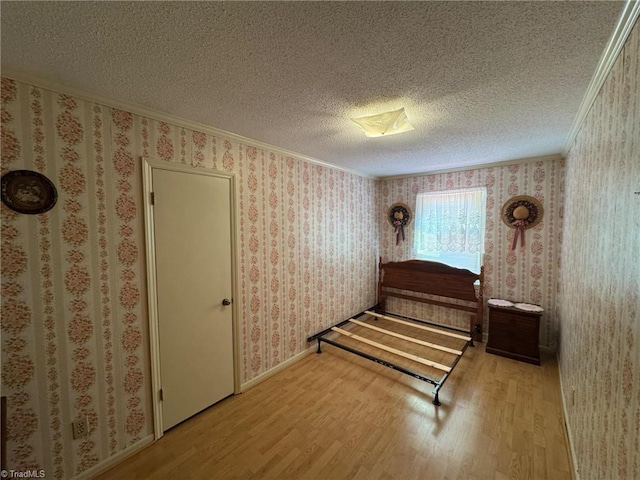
<point x="148" y="165"/>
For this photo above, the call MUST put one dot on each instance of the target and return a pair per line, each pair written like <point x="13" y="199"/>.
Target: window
<point x="449" y="227"/>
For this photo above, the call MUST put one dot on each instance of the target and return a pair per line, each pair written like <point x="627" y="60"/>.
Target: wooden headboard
<point x="438" y="279"/>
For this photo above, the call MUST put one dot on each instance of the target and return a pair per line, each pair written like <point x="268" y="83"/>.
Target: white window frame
<point x="469" y="260"/>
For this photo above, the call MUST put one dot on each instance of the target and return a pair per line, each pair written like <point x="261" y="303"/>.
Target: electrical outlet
<point x="80" y="427"/>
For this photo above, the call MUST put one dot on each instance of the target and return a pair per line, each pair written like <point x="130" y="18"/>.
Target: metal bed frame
<point x="421" y="277"/>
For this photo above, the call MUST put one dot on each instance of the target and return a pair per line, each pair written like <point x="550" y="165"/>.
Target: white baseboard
<point x="269" y="373"/>
<point x="567" y="429"/>
<point x="114" y="459"/>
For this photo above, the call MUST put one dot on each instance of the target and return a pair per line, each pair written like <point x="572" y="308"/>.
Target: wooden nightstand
<point x="514" y="333"/>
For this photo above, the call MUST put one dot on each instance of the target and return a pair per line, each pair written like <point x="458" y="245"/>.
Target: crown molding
<point x="545" y="158"/>
<point x="136" y="109"/>
<point x="625" y="24"/>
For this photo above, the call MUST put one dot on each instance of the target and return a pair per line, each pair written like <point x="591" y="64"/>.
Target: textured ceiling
<point x="481" y="82"/>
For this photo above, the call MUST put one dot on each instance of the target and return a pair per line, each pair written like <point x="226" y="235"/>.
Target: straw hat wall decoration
<point x="399" y="216"/>
<point x="521" y="213"/>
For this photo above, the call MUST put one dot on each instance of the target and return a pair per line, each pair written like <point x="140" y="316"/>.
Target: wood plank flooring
<point x="339" y="416"/>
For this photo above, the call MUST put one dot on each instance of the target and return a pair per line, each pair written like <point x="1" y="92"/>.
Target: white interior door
<point x="192" y="230"/>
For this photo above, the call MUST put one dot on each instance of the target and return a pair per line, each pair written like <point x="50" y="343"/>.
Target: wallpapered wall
<point x="74" y="319"/>
<point x="526" y="274"/>
<point x="600" y="278"/>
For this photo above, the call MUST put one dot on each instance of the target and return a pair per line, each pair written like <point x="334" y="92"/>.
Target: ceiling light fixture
<point x="383" y="124"/>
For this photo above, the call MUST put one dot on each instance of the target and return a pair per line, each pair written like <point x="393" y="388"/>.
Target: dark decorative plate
<point x="26" y="191"/>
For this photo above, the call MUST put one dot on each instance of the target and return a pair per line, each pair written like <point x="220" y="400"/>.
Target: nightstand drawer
<point x="514" y="333"/>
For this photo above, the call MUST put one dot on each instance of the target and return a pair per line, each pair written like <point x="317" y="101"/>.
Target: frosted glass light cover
<point x="382" y="124"/>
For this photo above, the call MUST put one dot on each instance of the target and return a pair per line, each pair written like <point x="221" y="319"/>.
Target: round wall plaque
<point x="26" y="191"/>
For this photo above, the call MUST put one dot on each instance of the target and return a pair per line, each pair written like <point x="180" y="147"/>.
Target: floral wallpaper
<point x="74" y="319"/>
<point x="527" y="274"/>
<point x="600" y="278"/>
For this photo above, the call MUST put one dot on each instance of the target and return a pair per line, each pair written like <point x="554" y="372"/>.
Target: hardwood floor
<point x="335" y="416"/>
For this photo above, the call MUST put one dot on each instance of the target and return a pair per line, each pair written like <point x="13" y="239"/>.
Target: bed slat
<point x="409" y="339"/>
<point x="386" y="348"/>
<point x="421" y="327"/>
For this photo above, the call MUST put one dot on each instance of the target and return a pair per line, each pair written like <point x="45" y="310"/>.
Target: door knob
<point x="226" y="302"/>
